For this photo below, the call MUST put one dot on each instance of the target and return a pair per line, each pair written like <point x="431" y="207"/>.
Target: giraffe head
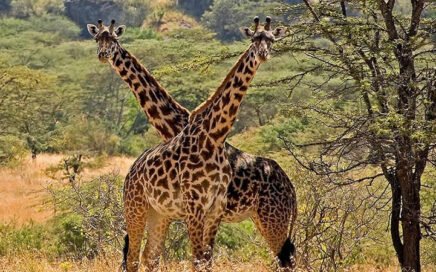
<point x="263" y="37"/>
<point x="107" y="38"/>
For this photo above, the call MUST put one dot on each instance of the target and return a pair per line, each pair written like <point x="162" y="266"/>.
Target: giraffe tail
<point x="125" y="251"/>
<point x="287" y="252"/>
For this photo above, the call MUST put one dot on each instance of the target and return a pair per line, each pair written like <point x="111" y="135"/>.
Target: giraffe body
<point x="175" y="183"/>
<point x="259" y="188"/>
<point x="166" y="182"/>
<point x="187" y="177"/>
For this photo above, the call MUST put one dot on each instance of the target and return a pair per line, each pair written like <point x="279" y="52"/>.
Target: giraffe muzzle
<point x="103" y="56"/>
<point x="263" y="55"/>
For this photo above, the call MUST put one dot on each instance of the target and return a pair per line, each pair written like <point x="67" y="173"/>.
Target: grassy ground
<point x="22" y="191"/>
<point x="37" y="263"/>
<point x="22" y="188"/>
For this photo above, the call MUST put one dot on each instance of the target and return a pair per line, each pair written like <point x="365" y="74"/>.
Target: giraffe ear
<point x="247" y="32"/>
<point x="279" y="33"/>
<point x="92" y="29"/>
<point x="119" y="31"/>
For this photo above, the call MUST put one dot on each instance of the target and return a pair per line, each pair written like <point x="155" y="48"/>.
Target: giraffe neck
<point x="163" y="112"/>
<point x="218" y="113"/>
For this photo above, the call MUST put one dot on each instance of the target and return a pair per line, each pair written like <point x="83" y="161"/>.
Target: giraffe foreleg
<point x="211" y="227"/>
<point x="195" y="224"/>
<point x="157" y="227"/>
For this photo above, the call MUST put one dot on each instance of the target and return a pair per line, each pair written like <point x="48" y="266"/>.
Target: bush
<point x="131" y="13"/>
<point x="27" y="8"/>
<point x="5" y="6"/>
<point x="86" y="136"/>
<point x="137" y="33"/>
<point x="89" y="219"/>
<point x="281" y="128"/>
<point x="12" y="150"/>
<point x="17" y="240"/>
<point x="195" y="8"/>
<point x="70" y="236"/>
<point x="55" y="24"/>
<point x="133" y="145"/>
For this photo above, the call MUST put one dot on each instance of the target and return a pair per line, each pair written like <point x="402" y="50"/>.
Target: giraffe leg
<point x="211" y="226"/>
<point x="195" y="223"/>
<point x="135" y="216"/>
<point x="157" y="227"/>
<point x="275" y="232"/>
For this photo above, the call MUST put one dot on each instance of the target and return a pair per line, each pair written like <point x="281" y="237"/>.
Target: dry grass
<point x="22" y="188"/>
<point x="37" y="263"/>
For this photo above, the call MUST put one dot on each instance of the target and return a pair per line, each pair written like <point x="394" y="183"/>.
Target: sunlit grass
<point x="22" y="188"/>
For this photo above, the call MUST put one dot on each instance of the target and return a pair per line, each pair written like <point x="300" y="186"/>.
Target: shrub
<point x="17" y="240"/>
<point x="86" y="136"/>
<point x="195" y="8"/>
<point x="70" y="236"/>
<point x="89" y="219"/>
<point x="12" y="149"/>
<point x="27" y="8"/>
<point x="133" y="145"/>
<point x="5" y="6"/>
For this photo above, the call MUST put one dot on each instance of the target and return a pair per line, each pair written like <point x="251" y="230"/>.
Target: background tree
<point x="377" y="103"/>
<point x="194" y="8"/>
<point x="24" y="111"/>
<point x="242" y="12"/>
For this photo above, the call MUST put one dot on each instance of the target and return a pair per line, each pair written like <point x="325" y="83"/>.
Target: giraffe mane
<point x="219" y="90"/>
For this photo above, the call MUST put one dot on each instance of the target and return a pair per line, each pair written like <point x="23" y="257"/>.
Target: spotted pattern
<point x="188" y="177"/>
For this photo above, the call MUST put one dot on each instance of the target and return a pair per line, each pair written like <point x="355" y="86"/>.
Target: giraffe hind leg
<point x="286" y="254"/>
<point x="276" y="235"/>
<point x="157" y="227"/>
<point x="125" y="252"/>
<point x="135" y="216"/>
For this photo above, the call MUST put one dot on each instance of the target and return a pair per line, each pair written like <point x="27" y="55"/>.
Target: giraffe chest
<point x="155" y="175"/>
<point x="174" y="176"/>
<point x="204" y="176"/>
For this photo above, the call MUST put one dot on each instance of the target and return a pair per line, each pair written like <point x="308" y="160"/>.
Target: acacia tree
<point x="378" y="102"/>
<point x="29" y="106"/>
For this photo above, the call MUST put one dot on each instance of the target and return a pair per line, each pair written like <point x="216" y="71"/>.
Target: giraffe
<point x="259" y="188"/>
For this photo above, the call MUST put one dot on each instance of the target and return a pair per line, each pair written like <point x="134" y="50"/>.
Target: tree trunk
<point x="410" y="212"/>
<point x="411" y="230"/>
<point x="395" y="216"/>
